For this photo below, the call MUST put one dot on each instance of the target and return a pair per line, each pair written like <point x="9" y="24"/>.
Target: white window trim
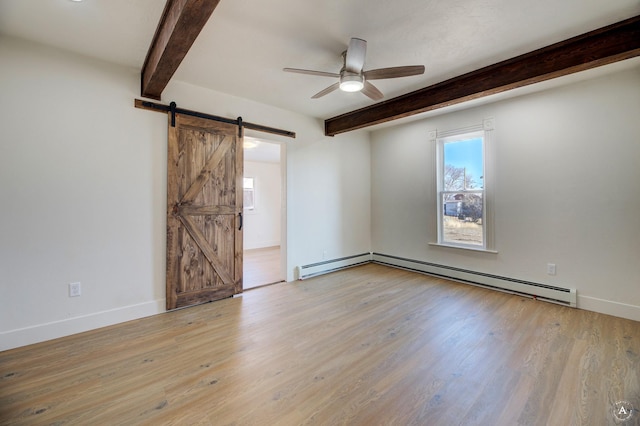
<point x="438" y="139"/>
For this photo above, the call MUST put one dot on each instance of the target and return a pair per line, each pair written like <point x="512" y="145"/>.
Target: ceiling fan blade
<point x="372" y="91"/>
<point x="310" y="72"/>
<point x="394" y="72"/>
<point x="354" y="59"/>
<point x="326" y="91"/>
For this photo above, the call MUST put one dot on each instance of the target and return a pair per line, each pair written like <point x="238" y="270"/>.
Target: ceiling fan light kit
<point x="352" y="77"/>
<point x="351" y="82"/>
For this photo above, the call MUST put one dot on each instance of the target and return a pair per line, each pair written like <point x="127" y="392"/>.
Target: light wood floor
<point x="261" y="266"/>
<point x="365" y="346"/>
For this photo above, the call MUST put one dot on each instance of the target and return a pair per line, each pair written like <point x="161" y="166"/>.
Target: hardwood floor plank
<point x="261" y="267"/>
<point x="366" y="345"/>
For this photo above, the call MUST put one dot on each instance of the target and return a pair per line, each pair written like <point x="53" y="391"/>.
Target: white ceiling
<point x="261" y="150"/>
<point x="246" y="43"/>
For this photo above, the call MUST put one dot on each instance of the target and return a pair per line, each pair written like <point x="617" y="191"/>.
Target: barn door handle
<point x="240" y="216"/>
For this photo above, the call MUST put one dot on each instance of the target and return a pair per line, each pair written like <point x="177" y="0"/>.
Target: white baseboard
<point x="55" y="329"/>
<point x="326" y="266"/>
<point x="608" y="307"/>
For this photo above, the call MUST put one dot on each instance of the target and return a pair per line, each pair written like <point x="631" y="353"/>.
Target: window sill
<point x="463" y="248"/>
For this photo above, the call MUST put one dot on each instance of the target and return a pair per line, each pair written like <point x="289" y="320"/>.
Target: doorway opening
<point x="264" y="213"/>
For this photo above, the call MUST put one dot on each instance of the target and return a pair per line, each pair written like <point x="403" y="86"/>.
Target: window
<point x="249" y="197"/>
<point x="461" y="190"/>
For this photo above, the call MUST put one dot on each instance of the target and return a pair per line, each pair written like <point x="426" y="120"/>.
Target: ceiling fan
<point x="352" y="77"/>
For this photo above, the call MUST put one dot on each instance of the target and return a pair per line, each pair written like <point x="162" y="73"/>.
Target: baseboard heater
<point x="326" y="266"/>
<point x="559" y="295"/>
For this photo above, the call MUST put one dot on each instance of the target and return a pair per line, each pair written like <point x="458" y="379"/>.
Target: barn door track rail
<point x="173" y="109"/>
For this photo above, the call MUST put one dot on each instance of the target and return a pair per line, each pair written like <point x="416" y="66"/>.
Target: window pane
<point x="249" y="200"/>
<point x="463" y="165"/>
<point x="462" y="218"/>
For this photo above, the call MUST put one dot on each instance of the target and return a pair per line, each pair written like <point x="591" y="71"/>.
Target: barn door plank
<point x="205" y="175"/>
<point x="207" y="250"/>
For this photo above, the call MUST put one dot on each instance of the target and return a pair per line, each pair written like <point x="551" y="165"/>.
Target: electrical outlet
<point x="551" y="268"/>
<point x="324" y="254"/>
<point x="74" y="290"/>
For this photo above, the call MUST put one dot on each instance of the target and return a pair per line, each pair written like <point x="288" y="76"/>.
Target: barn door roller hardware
<point x="173" y="109"/>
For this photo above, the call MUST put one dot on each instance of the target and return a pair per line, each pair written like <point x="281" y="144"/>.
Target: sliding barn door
<point x="204" y="211"/>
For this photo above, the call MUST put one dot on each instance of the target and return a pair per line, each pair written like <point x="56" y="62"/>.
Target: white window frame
<point x="484" y="130"/>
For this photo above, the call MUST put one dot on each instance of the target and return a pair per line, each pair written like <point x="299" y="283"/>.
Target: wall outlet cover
<point x="74" y="290"/>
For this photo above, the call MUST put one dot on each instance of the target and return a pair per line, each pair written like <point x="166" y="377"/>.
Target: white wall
<point x="330" y="191"/>
<point x="83" y="190"/>
<point x="567" y="190"/>
<point x="262" y="224"/>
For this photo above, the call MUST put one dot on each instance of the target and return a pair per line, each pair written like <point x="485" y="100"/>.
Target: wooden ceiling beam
<point x="181" y="22"/>
<point x="599" y="47"/>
